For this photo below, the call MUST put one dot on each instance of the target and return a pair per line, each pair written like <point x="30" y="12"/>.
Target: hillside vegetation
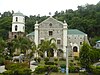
<point x="86" y="18"/>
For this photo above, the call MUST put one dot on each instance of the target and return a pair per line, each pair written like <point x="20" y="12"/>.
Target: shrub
<point x="55" y="59"/>
<point x="62" y="59"/>
<point x="95" y="70"/>
<point x="39" y="69"/>
<point x="1" y="74"/>
<point x="22" y="71"/>
<point x="50" y="63"/>
<point x="98" y="67"/>
<point x="46" y="59"/>
<point x="8" y="72"/>
<point x="12" y="66"/>
<point x="63" y="65"/>
<point x="71" y="64"/>
<point x="54" y="68"/>
<point x="26" y="71"/>
<point x="2" y="61"/>
<point x="46" y="68"/>
<point x="73" y="69"/>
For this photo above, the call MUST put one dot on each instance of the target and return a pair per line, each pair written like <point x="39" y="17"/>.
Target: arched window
<point x="15" y="36"/>
<point x="75" y="49"/>
<point x="16" y="19"/>
<point x="16" y="27"/>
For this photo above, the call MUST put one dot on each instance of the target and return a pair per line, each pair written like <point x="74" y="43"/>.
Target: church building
<point x="52" y="28"/>
<point x="66" y="39"/>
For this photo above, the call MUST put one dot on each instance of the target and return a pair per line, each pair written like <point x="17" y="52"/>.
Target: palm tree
<point x="36" y="50"/>
<point x="48" y="45"/>
<point x="22" y="44"/>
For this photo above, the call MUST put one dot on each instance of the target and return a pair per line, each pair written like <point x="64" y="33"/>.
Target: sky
<point x="42" y="7"/>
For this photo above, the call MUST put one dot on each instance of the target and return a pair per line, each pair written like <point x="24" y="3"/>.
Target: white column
<point x="36" y="33"/>
<point x="55" y="53"/>
<point x="45" y="53"/>
<point x="64" y="38"/>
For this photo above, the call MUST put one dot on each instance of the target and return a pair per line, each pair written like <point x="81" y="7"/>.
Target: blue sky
<point x="42" y="7"/>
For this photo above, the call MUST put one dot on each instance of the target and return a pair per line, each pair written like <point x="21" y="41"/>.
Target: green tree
<point x="85" y="59"/>
<point x="22" y="43"/>
<point x="2" y="45"/>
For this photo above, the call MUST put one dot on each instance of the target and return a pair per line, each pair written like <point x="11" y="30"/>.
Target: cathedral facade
<point x="66" y="39"/>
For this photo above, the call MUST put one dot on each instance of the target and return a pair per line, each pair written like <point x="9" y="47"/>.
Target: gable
<point x="51" y="23"/>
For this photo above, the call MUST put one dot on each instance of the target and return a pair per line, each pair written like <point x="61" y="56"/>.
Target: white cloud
<point x="43" y="7"/>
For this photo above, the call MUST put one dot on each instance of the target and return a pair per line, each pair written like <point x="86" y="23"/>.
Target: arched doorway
<point x="59" y="52"/>
<point x="15" y="36"/>
<point x="50" y="52"/>
<point x="75" y="49"/>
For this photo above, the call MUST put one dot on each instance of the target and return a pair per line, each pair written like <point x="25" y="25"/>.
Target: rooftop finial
<point x="50" y="14"/>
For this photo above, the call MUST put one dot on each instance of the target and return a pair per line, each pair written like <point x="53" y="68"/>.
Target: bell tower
<point x="18" y="25"/>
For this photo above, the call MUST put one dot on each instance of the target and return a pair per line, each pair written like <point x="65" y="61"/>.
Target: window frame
<point x="16" y="27"/>
<point x="50" y="33"/>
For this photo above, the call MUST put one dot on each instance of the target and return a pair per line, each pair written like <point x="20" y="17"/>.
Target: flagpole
<point x="67" y="60"/>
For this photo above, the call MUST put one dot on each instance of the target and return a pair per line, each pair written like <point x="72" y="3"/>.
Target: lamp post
<point x="66" y="60"/>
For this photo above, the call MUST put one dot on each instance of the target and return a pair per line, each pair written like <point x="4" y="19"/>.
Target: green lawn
<point x="60" y="74"/>
<point x="63" y="74"/>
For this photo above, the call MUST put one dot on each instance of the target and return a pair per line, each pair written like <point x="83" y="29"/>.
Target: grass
<point x="59" y="74"/>
<point x="59" y="62"/>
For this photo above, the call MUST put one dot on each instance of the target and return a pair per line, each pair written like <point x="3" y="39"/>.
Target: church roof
<point x="18" y="14"/>
<point x="98" y="41"/>
<point x="32" y="34"/>
<point x="75" y="32"/>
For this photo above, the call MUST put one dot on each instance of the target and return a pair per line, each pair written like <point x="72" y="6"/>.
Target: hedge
<point x="22" y="71"/>
<point x="50" y="63"/>
<point x="12" y="66"/>
<point x="42" y="69"/>
<point x="95" y="70"/>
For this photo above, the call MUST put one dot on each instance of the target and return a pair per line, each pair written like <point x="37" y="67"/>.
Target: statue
<point x="20" y="58"/>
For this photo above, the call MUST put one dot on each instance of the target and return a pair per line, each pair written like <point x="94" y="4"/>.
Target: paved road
<point x="2" y="69"/>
